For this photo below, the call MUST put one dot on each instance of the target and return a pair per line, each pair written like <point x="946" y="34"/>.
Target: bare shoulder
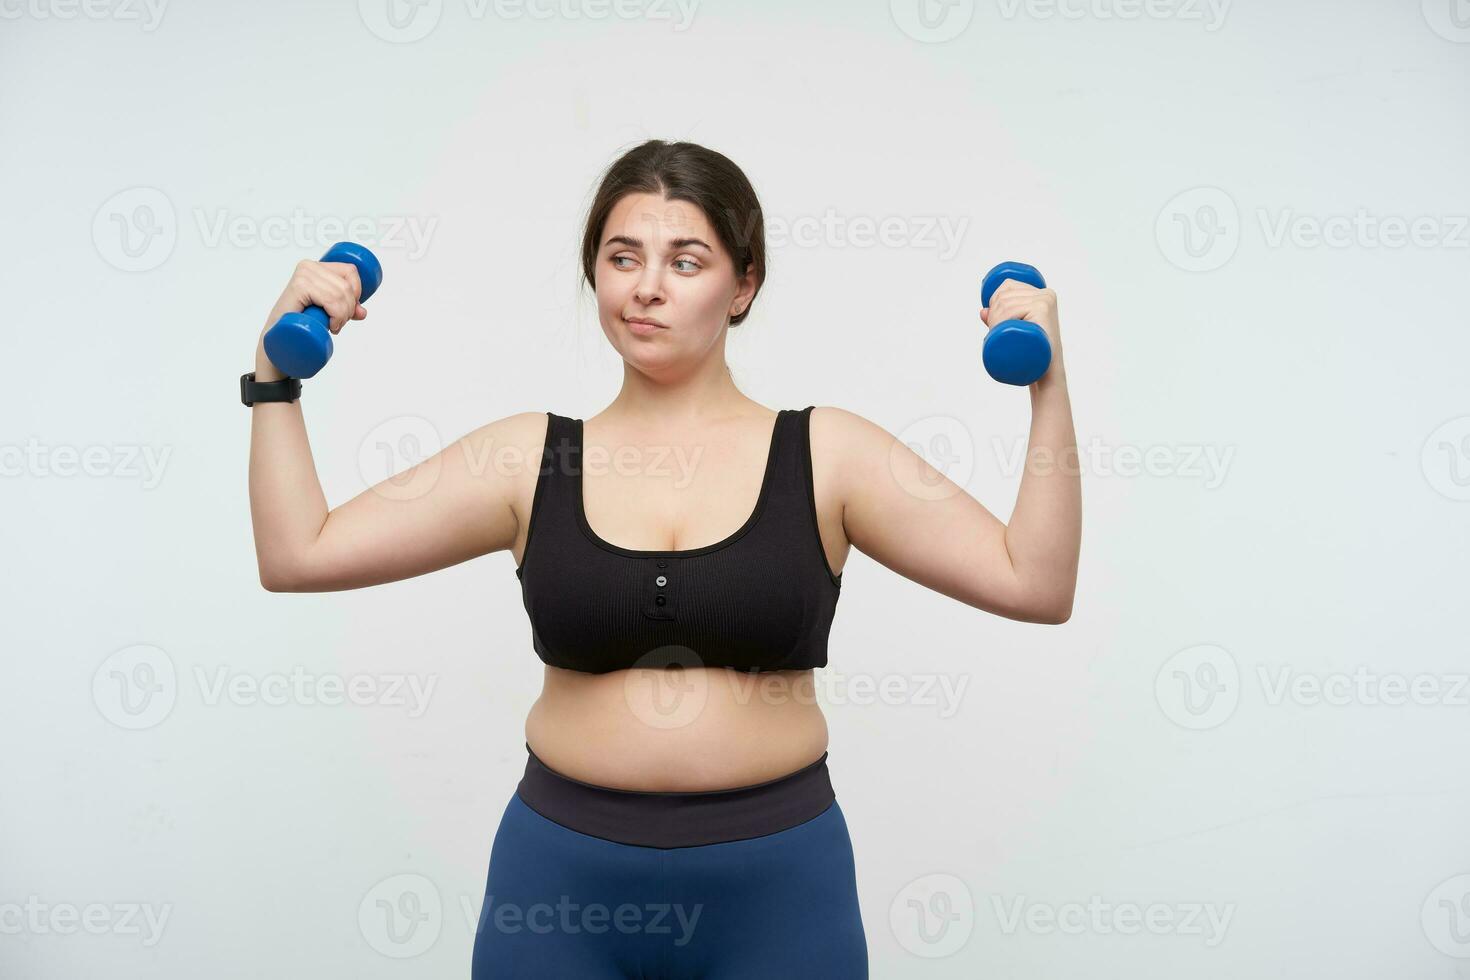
<point x="844" y="437"/>
<point x="503" y="456"/>
<point x="524" y="431"/>
<point x="847" y="449"/>
<point x="516" y="426"/>
<point x="836" y="437"/>
<point x="840" y="422"/>
<point x="511" y="447"/>
<point x="855" y="457"/>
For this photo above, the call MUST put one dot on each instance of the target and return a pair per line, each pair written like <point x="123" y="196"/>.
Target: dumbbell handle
<point x="1016" y="352"/>
<point x="300" y="344"/>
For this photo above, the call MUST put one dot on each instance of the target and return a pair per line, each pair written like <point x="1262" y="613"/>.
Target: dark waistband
<point x="677" y="819"/>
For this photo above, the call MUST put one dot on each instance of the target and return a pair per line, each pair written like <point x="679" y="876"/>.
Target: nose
<point x="650" y="286"/>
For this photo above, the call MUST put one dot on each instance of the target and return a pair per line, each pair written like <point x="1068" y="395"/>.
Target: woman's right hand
<point x="334" y="286"/>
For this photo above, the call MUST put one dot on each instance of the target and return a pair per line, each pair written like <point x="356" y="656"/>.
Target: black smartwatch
<point x="252" y="391"/>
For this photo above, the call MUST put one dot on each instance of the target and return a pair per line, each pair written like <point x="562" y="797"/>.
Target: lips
<point x="644" y="328"/>
<point x="644" y="321"/>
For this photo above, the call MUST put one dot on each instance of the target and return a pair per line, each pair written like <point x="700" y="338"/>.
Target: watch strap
<point x="252" y="391"/>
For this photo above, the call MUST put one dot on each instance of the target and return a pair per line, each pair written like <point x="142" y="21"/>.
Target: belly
<point x="677" y="730"/>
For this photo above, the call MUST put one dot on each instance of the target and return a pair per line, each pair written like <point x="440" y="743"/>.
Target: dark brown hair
<point x="685" y="172"/>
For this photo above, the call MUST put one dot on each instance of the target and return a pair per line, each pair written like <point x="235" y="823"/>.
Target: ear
<point x="744" y="291"/>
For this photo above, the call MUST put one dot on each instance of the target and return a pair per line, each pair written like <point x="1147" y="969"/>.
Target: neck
<point x="703" y="395"/>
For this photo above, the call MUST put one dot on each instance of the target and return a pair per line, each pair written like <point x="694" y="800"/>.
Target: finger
<point x="334" y="294"/>
<point x="1011" y="309"/>
<point x="1010" y="287"/>
<point x="347" y="271"/>
<point x="361" y="313"/>
<point x="1000" y="309"/>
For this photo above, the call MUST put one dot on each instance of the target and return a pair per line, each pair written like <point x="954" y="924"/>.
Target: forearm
<point x="287" y="506"/>
<point x="1044" y="536"/>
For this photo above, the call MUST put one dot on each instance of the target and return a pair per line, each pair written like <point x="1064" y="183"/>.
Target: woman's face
<point x="660" y="260"/>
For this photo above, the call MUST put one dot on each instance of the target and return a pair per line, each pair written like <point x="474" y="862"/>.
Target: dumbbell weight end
<point x="300" y="344"/>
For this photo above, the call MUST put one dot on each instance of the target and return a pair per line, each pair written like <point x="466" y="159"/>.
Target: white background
<point x="1145" y="157"/>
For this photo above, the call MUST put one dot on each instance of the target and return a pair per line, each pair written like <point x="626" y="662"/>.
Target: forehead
<point x="652" y="217"/>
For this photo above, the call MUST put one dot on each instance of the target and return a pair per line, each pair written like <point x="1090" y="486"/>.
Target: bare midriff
<point x="680" y="729"/>
<point x="677" y="729"/>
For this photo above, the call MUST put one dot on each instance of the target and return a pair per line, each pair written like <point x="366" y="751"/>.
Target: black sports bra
<point x="761" y="599"/>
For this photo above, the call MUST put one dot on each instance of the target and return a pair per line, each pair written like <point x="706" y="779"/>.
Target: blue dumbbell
<point x="1015" y="352"/>
<point x="299" y="344"/>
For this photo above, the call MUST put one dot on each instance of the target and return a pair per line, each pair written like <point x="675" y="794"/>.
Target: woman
<point x="680" y="557"/>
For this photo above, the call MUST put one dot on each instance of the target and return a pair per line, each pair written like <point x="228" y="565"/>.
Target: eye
<point x="616" y="258"/>
<point x="690" y="262"/>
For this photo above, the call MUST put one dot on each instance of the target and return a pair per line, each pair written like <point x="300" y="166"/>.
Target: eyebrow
<point x="674" y="245"/>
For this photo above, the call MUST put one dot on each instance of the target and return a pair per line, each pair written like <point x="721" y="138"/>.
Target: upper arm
<point x="911" y="518"/>
<point x="454" y="506"/>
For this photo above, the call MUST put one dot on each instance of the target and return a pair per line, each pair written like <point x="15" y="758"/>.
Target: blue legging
<point x="562" y="904"/>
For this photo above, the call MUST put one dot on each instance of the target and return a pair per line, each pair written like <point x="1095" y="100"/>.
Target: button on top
<point x="659" y="599"/>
